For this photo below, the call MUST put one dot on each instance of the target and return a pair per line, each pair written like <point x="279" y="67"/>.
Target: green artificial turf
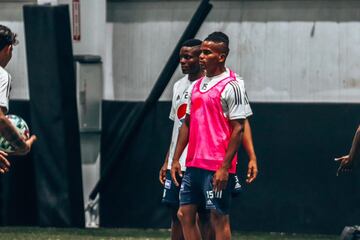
<point x="24" y="233"/>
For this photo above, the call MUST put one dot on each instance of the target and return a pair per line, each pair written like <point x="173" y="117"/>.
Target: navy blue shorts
<point x="235" y="186"/>
<point x="196" y="188"/>
<point x="171" y="191"/>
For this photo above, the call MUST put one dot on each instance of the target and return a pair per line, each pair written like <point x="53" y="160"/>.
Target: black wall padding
<point x="133" y="196"/>
<point x="54" y="118"/>
<point x="296" y="191"/>
<point x="18" y="198"/>
<point x="159" y="87"/>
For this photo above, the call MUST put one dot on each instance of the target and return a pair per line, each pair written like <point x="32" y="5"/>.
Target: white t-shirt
<point x="5" y="83"/>
<point x="177" y="114"/>
<point x="234" y="100"/>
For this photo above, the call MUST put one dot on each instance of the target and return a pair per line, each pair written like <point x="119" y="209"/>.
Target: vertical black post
<point x="54" y="117"/>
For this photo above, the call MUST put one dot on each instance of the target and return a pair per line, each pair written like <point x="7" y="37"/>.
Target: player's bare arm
<point x="221" y="176"/>
<point x="182" y="141"/>
<point x="4" y="163"/>
<point x="249" y="148"/>
<point x="8" y="131"/>
<point x="347" y="162"/>
<point x="355" y="148"/>
<point x="162" y="173"/>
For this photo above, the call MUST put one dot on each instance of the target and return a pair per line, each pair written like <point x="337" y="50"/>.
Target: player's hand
<point x="346" y="164"/>
<point x="220" y="179"/>
<point x="175" y="170"/>
<point x="5" y="164"/>
<point x="162" y="173"/>
<point x="252" y="170"/>
<point x="29" y="142"/>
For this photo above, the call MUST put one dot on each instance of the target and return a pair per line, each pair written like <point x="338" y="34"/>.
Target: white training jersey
<point x="5" y="83"/>
<point x="234" y="100"/>
<point x="177" y="114"/>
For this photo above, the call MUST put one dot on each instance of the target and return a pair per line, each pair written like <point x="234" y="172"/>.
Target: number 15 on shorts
<point x="211" y="194"/>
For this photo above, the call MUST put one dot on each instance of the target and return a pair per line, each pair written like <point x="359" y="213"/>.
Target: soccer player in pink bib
<point x="213" y="129"/>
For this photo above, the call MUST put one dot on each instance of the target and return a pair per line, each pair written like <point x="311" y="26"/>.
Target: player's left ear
<point x="8" y="49"/>
<point x="222" y="57"/>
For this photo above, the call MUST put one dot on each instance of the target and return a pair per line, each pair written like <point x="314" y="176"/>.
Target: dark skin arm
<point x="249" y="148"/>
<point x="354" y="154"/>
<point x="347" y="162"/>
<point x="163" y="169"/>
<point x="221" y="176"/>
<point x="182" y="141"/>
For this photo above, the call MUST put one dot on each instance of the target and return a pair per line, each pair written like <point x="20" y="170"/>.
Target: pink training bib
<point x="210" y="130"/>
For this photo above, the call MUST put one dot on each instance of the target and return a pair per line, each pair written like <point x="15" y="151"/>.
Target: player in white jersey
<point x="7" y="130"/>
<point x="177" y="114"/>
<point x="189" y="62"/>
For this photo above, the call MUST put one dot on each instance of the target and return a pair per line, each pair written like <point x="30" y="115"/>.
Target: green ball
<point x="22" y="129"/>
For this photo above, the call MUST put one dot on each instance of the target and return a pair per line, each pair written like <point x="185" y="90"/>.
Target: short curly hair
<point x="7" y="37"/>
<point x="191" y="43"/>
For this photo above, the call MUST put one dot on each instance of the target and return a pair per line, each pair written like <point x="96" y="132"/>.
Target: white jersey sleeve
<point x="178" y="112"/>
<point x="173" y="110"/>
<point x="5" y="82"/>
<point x="235" y="101"/>
<point x="188" y="108"/>
<point x="248" y="110"/>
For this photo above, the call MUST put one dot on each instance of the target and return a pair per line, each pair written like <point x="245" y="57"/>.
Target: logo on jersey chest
<point x="182" y="97"/>
<point x="204" y="86"/>
<point x="181" y="111"/>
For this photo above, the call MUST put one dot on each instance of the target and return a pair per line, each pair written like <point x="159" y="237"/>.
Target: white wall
<point x="93" y="19"/>
<point x="287" y="51"/>
<point x="143" y="37"/>
<point x="93" y="29"/>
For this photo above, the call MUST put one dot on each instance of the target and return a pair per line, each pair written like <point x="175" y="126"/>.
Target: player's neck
<point x="216" y="71"/>
<point x="3" y="61"/>
<point x="195" y="76"/>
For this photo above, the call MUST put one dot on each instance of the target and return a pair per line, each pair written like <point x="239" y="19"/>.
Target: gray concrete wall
<point x="287" y="51"/>
<point x="93" y="24"/>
